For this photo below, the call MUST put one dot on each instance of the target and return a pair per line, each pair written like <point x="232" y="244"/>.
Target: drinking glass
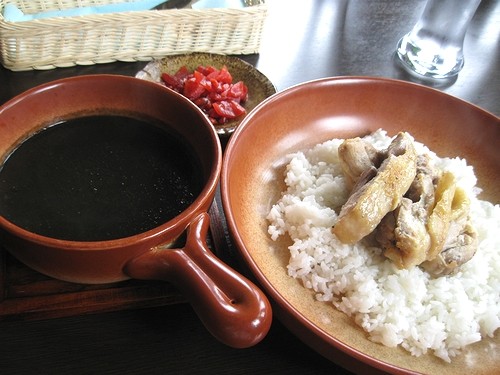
<point x="434" y="47"/>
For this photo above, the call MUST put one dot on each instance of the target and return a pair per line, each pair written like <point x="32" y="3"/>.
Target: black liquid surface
<point x="98" y="178"/>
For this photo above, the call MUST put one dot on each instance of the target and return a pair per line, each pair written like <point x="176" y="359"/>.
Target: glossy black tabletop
<point x="303" y="40"/>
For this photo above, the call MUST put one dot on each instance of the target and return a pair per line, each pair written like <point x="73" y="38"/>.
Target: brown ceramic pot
<point x="233" y="309"/>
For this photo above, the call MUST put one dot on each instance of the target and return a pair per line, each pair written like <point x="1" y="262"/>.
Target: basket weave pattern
<point x="127" y="36"/>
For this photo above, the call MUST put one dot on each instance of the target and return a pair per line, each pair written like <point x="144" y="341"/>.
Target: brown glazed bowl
<point x="305" y="115"/>
<point x="232" y="308"/>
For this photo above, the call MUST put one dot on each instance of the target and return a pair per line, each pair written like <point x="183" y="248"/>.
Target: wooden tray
<point x="28" y="295"/>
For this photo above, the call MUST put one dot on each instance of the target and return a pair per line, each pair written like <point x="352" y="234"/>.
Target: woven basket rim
<point x="252" y="5"/>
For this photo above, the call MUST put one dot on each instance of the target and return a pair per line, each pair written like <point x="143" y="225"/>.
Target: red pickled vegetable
<point x="212" y="90"/>
<point x="228" y="108"/>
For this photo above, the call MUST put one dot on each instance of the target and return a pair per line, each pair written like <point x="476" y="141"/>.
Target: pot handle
<point x="230" y="306"/>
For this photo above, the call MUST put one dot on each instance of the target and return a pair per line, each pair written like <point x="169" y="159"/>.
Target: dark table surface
<point x="303" y="40"/>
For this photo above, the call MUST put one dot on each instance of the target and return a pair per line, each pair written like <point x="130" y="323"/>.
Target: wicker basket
<point x="127" y="36"/>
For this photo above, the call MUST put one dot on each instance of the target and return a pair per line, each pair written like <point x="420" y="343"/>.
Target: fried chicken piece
<point x="462" y="250"/>
<point x="403" y="232"/>
<point x="369" y="202"/>
<point x="356" y="156"/>
<point x="435" y="231"/>
<point x="421" y="190"/>
<point x="439" y="220"/>
<point x="403" y="235"/>
<point x="460" y="243"/>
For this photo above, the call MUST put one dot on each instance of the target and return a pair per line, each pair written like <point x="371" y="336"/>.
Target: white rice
<point x="396" y="307"/>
